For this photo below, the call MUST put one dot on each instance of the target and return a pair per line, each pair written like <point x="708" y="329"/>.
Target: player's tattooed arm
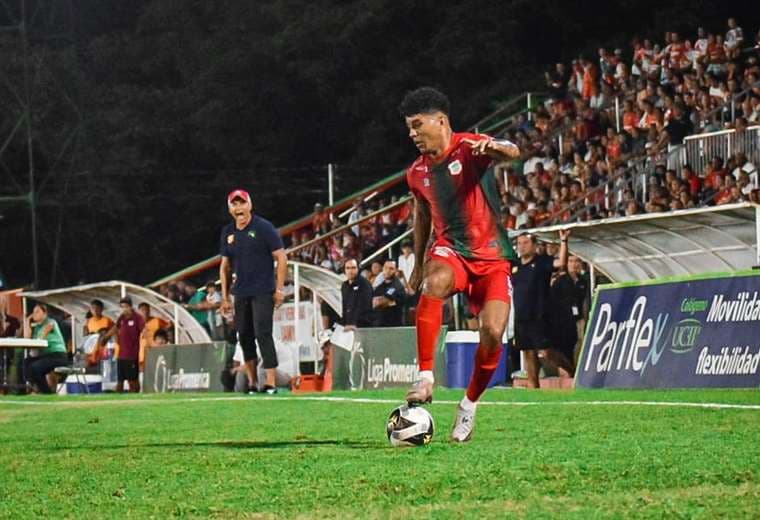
<point x="496" y="149"/>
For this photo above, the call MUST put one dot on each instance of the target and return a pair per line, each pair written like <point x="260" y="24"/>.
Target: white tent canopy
<point x="678" y="243"/>
<point x="76" y="302"/>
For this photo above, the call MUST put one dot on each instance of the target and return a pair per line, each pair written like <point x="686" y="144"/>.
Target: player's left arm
<point x="495" y="149"/>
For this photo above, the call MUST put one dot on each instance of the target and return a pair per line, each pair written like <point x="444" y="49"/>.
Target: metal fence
<point x="702" y="148"/>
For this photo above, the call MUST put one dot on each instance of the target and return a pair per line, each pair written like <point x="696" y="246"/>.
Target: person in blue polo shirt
<point x="248" y="247"/>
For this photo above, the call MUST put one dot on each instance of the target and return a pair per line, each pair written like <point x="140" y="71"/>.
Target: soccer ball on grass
<point x="410" y="426"/>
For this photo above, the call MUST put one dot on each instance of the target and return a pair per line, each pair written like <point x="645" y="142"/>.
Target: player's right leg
<point x="247" y="337"/>
<point x="438" y="283"/>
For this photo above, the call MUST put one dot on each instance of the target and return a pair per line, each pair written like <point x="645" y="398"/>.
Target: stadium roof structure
<point x="76" y="302"/>
<point x="679" y="243"/>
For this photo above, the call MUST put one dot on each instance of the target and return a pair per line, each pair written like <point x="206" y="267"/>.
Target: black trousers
<point x="36" y="368"/>
<point x="253" y="322"/>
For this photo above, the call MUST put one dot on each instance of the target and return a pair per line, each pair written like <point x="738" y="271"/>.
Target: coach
<point x="248" y="246"/>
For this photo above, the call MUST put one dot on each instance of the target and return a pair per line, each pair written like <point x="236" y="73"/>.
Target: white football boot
<point x="463" y="425"/>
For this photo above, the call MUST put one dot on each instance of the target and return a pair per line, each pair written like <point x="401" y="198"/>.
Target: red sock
<point x="429" y="321"/>
<point x="486" y="361"/>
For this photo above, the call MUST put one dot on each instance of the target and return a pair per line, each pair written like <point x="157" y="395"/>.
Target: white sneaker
<point x="463" y="425"/>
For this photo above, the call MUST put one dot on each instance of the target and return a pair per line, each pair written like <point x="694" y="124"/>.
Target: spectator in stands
<point x="356" y="294"/>
<point x="39" y="325"/>
<point x="359" y="211"/>
<point x="151" y="325"/>
<point x="375" y="273"/>
<point x="678" y="127"/>
<point x="388" y="298"/>
<point x="558" y="80"/>
<point x="321" y="220"/>
<point x="128" y="327"/>
<point x="734" y="39"/>
<point x="531" y="276"/>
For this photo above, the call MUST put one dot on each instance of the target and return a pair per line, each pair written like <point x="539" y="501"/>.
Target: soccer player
<point x="471" y="252"/>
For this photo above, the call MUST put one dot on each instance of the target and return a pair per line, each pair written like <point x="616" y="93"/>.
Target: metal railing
<point x="524" y="103"/>
<point x="344" y="227"/>
<point x="726" y="108"/>
<point x="702" y="148"/>
<point x="609" y="194"/>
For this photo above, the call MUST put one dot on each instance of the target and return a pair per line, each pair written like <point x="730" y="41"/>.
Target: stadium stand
<point x="657" y="128"/>
<point x="614" y="137"/>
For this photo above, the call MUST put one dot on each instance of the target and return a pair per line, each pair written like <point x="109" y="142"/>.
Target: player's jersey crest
<point x="455" y="167"/>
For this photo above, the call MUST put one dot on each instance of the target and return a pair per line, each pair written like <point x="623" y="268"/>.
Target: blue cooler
<point x="461" y="346"/>
<point x="94" y="384"/>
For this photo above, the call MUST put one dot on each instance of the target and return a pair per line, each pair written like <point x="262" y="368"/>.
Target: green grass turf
<point x="161" y="456"/>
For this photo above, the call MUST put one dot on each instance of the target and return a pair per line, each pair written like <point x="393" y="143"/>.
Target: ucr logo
<point x="685" y="336"/>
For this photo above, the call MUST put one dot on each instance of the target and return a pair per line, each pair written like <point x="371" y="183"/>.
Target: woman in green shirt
<point x="39" y="325"/>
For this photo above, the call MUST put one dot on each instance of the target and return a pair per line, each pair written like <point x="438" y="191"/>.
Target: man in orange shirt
<point x="152" y="325"/>
<point x="590" y="80"/>
<point x="97" y="323"/>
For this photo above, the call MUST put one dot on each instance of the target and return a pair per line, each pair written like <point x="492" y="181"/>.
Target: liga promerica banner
<point x="382" y="358"/>
<point x="685" y="333"/>
<point x="184" y="368"/>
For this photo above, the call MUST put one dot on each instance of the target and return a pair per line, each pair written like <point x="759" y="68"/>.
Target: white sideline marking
<point x="367" y="400"/>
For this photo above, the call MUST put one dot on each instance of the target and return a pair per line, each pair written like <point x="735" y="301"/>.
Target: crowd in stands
<point x="665" y="92"/>
<point x="587" y="157"/>
<point x="358" y="240"/>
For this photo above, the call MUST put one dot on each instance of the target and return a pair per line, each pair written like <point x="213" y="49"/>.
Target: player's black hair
<point x="424" y="100"/>
<point x="532" y="237"/>
<point x="97" y="303"/>
<point x="161" y="333"/>
<point x="143" y="304"/>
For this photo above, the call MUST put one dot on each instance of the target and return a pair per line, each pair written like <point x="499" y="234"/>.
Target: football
<point x="410" y="426"/>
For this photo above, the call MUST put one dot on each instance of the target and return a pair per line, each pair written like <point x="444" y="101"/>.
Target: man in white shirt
<point x="358" y="212"/>
<point x="746" y="167"/>
<point x="700" y="47"/>
<point x="734" y="38"/>
<point x="406" y="261"/>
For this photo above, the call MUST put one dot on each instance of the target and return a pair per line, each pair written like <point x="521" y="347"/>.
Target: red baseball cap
<point x="238" y="194"/>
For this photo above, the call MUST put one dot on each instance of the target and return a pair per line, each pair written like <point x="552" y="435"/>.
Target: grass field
<point x="534" y="454"/>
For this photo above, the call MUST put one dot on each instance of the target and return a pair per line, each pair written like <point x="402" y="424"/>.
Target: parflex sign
<point x="695" y="333"/>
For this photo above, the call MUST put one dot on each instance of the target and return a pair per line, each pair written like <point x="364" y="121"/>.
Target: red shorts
<point x="480" y="280"/>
